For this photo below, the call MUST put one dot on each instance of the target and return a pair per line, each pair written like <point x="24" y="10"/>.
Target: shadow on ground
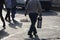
<point x="3" y="33"/>
<point x="36" y="38"/>
<point x="51" y="38"/>
<point x="16" y="23"/>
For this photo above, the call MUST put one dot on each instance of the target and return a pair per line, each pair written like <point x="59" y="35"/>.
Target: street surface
<point x="18" y="30"/>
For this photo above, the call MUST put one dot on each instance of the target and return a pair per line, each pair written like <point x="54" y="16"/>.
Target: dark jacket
<point x="8" y="4"/>
<point x="1" y="3"/>
<point x="33" y="6"/>
<point x="13" y="3"/>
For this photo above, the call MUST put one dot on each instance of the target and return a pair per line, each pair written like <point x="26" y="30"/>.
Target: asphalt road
<point x="18" y="30"/>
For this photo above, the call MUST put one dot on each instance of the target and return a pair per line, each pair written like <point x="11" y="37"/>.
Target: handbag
<point x="39" y="23"/>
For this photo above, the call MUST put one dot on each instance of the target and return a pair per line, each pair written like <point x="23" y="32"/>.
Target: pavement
<point x="18" y="30"/>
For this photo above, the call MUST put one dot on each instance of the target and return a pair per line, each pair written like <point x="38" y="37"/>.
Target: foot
<point x="8" y="20"/>
<point x="4" y="26"/>
<point x="30" y="36"/>
<point x="13" y="19"/>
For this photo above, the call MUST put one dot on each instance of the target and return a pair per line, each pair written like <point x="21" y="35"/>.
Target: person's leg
<point x="31" y="29"/>
<point x="33" y="23"/>
<point x="13" y="13"/>
<point x="7" y="18"/>
<point x="33" y="18"/>
<point x="9" y="15"/>
<point x="2" y="19"/>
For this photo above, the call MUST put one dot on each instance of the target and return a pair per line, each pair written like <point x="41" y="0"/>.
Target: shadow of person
<point x="29" y="39"/>
<point x="36" y="38"/>
<point x="51" y="38"/>
<point x="25" y="20"/>
<point x="43" y="39"/>
<point x="3" y="34"/>
<point x="14" y="24"/>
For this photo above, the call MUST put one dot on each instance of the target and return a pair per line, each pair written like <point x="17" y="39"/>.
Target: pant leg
<point x="2" y="19"/>
<point x="13" y="12"/>
<point x="8" y="14"/>
<point x="33" y="18"/>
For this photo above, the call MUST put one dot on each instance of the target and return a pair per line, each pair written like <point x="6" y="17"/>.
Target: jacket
<point x="8" y="3"/>
<point x="33" y="6"/>
<point x="1" y="3"/>
<point x="13" y="3"/>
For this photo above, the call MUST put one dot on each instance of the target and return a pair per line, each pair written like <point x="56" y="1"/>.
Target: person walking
<point x="33" y="9"/>
<point x="13" y="9"/>
<point x="10" y="6"/>
<point x="1" y="7"/>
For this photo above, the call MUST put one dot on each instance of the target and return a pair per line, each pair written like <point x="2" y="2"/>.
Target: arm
<point x="39" y="9"/>
<point x="26" y="8"/>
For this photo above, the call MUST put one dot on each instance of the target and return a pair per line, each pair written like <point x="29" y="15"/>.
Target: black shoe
<point x="30" y="36"/>
<point x="14" y="21"/>
<point x="4" y="26"/>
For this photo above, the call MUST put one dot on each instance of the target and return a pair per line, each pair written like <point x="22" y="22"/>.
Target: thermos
<point x="39" y="23"/>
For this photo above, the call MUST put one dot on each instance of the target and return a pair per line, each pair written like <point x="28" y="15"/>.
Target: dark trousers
<point x="13" y="12"/>
<point x="33" y="18"/>
<point x="8" y="14"/>
<point x="2" y="19"/>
